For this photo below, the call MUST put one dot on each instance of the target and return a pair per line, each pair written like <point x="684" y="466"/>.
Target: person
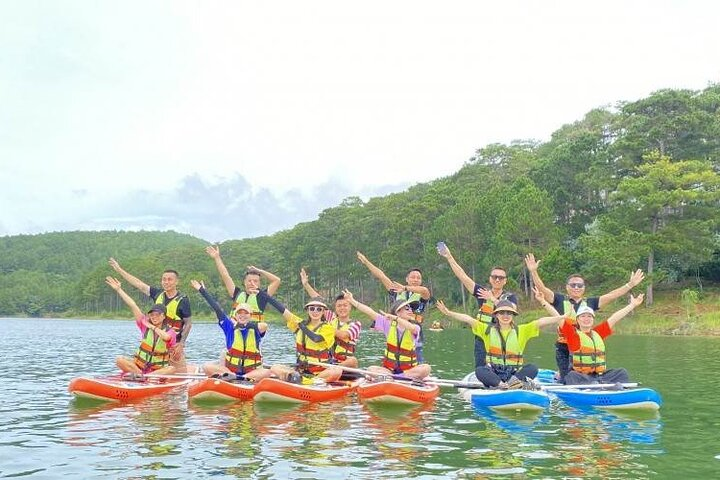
<point x="569" y="304"/>
<point x="314" y="339"/>
<point x="505" y="343"/>
<point x="158" y="337"/>
<point x="413" y="291"/>
<point x="243" y="338"/>
<point x="177" y="306"/>
<point x="487" y="297"/>
<point x="401" y="334"/>
<point x="347" y="331"/>
<point x="587" y="346"/>
<point x="251" y="284"/>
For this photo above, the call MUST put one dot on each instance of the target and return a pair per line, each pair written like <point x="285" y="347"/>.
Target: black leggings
<point x="562" y="358"/>
<point x="492" y="376"/>
<point x="614" y="375"/>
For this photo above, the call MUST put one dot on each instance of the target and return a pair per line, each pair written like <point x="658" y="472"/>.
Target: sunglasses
<point x="313" y="308"/>
<point x="498" y="277"/>
<point x="576" y="285"/>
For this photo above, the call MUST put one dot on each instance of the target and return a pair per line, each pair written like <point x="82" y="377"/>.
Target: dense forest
<point x="632" y="186"/>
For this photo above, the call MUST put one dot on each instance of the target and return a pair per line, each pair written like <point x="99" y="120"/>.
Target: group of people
<point x="326" y="339"/>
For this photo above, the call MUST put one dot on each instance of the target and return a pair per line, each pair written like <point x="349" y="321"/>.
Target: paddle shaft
<point x="435" y="381"/>
<point x="588" y="386"/>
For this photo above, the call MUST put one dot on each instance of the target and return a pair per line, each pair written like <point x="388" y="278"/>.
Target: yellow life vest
<point x="244" y="354"/>
<point x="504" y="351"/>
<point x="590" y="358"/>
<point x="307" y="349"/>
<point x="342" y="349"/>
<point x="171" y="317"/>
<point x="400" y="350"/>
<point x="153" y="352"/>
<point x="251" y="300"/>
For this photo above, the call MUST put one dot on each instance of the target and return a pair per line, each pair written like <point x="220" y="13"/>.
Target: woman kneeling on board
<point x="505" y="342"/>
<point x="153" y="355"/>
<point x="587" y="348"/>
<point x="402" y="336"/>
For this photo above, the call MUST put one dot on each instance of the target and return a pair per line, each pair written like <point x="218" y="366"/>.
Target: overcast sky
<point x="233" y="119"/>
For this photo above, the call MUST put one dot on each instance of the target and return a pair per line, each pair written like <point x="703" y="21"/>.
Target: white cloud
<point x="112" y="99"/>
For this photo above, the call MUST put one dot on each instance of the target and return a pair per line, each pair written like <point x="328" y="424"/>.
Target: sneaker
<point x="515" y="383"/>
<point x="228" y="377"/>
<point x="294" y="377"/>
<point x="502" y="386"/>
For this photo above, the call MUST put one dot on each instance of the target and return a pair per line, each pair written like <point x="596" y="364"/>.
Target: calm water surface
<point x="44" y="433"/>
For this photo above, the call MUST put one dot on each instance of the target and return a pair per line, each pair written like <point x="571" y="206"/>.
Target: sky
<point x="236" y="119"/>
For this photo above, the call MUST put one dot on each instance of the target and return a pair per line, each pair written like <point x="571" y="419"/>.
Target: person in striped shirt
<point x="347" y="331"/>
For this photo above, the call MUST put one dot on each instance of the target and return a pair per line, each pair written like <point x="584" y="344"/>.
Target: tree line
<point x="635" y="185"/>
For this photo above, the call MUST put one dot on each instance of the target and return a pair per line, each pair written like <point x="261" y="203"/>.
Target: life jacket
<point x="417" y="299"/>
<point x="153" y="351"/>
<point x="171" y="317"/>
<point x="309" y="350"/>
<point x="342" y="349"/>
<point x="400" y="350"/>
<point x="504" y="351"/>
<point x="243" y="297"/>
<point x="570" y="313"/>
<point x="485" y="312"/>
<point x="244" y="354"/>
<point x="590" y="358"/>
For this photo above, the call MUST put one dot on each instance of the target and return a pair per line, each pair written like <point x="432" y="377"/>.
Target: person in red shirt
<point x="587" y="347"/>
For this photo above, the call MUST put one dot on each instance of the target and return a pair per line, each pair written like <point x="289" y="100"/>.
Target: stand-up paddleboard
<point x="118" y="388"/>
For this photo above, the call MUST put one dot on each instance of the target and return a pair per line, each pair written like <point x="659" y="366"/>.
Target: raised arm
<point x="376" y="272"/>
<point x="424" y="292"/>
<point x="532" y="266"/>
<point x="273" y="280"/>
<point x="117" y="286"/>
<point x="132" y="280"/>
<point x="456" y="315"/>
<point x="620" y="314"/>
<point x="360" y="306"/>
<point x="290" y="318"/>
<point x="214" y="252"/>
<point x="540" y="297"/>
<point x="635" y="278"/>
<point x="306" y="284"/>
<point x="200" y="287"/>
<point x="404" y="324"/>
<point x="464" y="278"/>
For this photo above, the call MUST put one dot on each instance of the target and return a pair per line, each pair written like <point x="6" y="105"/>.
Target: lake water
<point x="45" y="433"/>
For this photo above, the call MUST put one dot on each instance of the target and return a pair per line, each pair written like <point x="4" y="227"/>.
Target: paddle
<point x="435" y="381"/>
<point x="608" y="386"/>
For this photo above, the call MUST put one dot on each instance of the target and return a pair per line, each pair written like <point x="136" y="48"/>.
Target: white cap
<point x="585" y="309"/>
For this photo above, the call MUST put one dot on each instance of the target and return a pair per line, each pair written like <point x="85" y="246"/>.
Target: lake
<point x="45" y="433"/>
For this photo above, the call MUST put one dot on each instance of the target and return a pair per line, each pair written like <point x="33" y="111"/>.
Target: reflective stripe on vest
<point x="310" y="350"/>
<point x="504" y="351"/>
<point x="590" y="358"/>
<point x="342" y="349"/>
<point x="152" y="354"/>
<point x="171" y="316"/>
<point x="244" y="355"/>
<point x="400" y="350"/>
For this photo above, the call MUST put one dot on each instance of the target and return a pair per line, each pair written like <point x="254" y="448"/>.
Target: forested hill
<point x="634" y="186"/>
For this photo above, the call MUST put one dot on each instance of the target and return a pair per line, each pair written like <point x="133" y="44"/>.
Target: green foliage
<point x="616" y="190"/>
